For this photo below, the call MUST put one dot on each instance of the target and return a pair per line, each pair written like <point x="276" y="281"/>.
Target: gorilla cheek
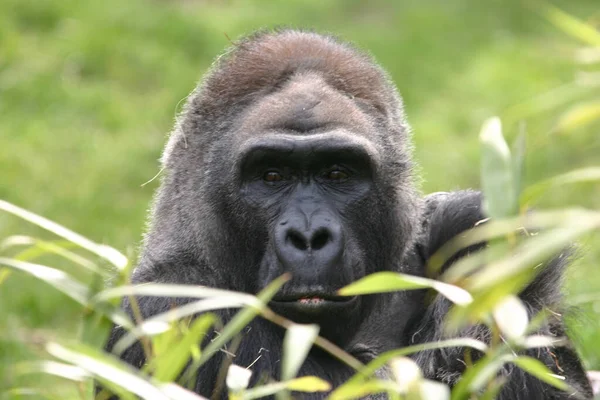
<point x="269" y="268"/>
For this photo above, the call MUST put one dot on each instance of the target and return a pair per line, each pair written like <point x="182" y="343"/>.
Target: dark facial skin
<point x="305" y="188"/>
<point x="309" y="180"/>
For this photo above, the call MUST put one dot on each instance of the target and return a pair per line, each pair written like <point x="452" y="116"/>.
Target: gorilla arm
<point x="447" y="215"/>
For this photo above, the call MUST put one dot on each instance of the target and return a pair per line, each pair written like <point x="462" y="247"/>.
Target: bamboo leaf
<point x="106" y="252"/>
<point x="539" y="370"/>
<point x="297" y="343"/>
<point x="572" y="26"/>
<point x="382" y="282"/>
<point x="497" y="176"/>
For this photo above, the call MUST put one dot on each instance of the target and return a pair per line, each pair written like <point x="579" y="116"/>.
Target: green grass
<point x="89" y="91"/>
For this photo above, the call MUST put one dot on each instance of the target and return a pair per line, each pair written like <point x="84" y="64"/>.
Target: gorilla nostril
<point x="319" y="239"/>
<point x="297" y="239"/>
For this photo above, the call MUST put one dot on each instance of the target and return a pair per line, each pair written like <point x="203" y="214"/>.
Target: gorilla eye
<point x="336" y="175"/>
<point x="272" y="176"/>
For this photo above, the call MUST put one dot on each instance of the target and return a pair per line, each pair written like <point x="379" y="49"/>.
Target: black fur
<point x="447" y="215"/>
<point x="215" y="224"/>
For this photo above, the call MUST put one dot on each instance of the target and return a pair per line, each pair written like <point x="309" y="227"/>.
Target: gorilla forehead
<point x="306" y="103"/>
<point x="326" y="81"/>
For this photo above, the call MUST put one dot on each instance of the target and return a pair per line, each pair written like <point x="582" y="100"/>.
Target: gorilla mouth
<point x="311" y="298"/>
<point x="312" y="302"/>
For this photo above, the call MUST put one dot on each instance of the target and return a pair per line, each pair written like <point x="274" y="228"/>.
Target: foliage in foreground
<point x="485" y="295"/>
<point x="519" y="241"/>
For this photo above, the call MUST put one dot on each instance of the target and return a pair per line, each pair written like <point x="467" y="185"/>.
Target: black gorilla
<point x="294" y="155"/>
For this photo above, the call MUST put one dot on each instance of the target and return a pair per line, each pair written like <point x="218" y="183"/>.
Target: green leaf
<point x="297" y="343"/>
<point x="23" y="392"/>
<point x="161" y="323"/>
<point x="175" y="290"/>
<point x="535" y="220"/>
<point x="41" y="247"/>
<point x="518" y="158"/>
<point x="533" y="251"/>
<point x="511" y="317"/>
<point x="579" y="116"/>
<point x="106" y="252"/>
<point x="477" y="376"/>
<point x="358" y="390"/>
<point x="583" y="175"/>
<point x="539" y="370"/>
<point x="68" y="285"/>
<point x="572" y="26"/>
<point x="360" y="378"/>
<point x="56" y="278"/>
<point x="545" y="102"/>
<point x="237" y="323"/>
<point x="168" y="366"/>
<point x="55" y="368"/>
<point x="106" y="368"/>
<point x="497" y="180"/>
<point x="382" y="282"/>
<point x="407" y="374"/>
<point x="176" y="392"/>
<point x="537" y="341"/>
<point x="238" y="378"/>
<point x="306" y="384"/>
<point x="434" y="390"/>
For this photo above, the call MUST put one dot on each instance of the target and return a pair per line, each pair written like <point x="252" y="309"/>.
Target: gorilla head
<point x="292" y="156"/>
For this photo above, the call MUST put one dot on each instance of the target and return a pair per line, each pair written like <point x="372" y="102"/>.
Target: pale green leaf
<point x="168" y="365"/>
<point x="106" y="252"/>
<point x="511" y="317"/>
<point x="55" y="368"/>
<point x="56" y="278"/>
<point x="360" y="378"/>
<point x="583" y="175"/>
<point x="117" y="373"/>
<point x="160" y="323"/>
<point x="406" y="372"/>
<point x="497" y="172"/>
<point x="382" y="282"/>
<point x="297" y="343"/>
<point x="579" y="116"/>
<point x="539" y="370"/>
<point x="237" y="323"/>
<point x="572" y="26"/>
<point x="307" y="384"/>
<point x="238" y="378"/>
<point x="176" y="290"/>
<point x="434" y="390"/>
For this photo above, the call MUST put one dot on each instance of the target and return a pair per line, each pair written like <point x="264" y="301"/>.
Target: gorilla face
<point x="308" y="175"/>
<point x="301" y="166"/>
<point x="306" y="189"/>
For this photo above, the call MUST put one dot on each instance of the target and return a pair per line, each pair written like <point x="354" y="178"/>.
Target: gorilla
<point x="294" y="155"/>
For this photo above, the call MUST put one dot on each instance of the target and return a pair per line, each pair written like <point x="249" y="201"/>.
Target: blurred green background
<point x="89" y="91"/>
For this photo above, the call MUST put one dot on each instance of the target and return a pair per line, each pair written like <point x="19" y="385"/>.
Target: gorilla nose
<point x="310" y="241"/>
<point x="319" y="247"/>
